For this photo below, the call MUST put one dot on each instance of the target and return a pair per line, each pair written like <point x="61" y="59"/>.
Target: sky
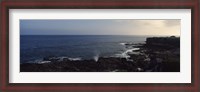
<point x="100" y="27"/>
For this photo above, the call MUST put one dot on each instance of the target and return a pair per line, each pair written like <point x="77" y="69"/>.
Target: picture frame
<point x="88" y="4"/>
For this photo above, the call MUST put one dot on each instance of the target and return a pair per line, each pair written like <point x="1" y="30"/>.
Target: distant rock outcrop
<point x="163" y="42"/>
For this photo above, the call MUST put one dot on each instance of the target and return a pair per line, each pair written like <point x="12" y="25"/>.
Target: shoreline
<point x="158" y="54"/>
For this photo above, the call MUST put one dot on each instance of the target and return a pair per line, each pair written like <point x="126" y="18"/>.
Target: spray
<point x="96" y="57"/>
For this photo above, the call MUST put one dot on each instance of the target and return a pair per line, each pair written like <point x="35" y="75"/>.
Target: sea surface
<point x="36" y="47"/>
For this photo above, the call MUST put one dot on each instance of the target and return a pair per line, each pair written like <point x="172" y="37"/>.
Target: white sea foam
<point x="61" y="58"/>
<point x="71" y="59"/>
<point x="39" y="61"/>
<point x="129" y="51"/>
<point x="127" y="43"/>
<point x="122" y="43"/>
<point x="42" y="62"/>
<point x="75" y="59"/>
<point x="35" y="61"/>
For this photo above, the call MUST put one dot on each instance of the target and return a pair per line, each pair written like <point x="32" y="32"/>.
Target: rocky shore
<point x="158" y="54"/>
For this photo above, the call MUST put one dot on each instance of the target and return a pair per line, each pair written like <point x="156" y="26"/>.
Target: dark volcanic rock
<point x="163" y="42"/>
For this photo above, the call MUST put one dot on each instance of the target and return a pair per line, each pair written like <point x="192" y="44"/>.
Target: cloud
<point x="152" y="23"/>
<point x="152" y="27"/>
<point x="172" y="22"/>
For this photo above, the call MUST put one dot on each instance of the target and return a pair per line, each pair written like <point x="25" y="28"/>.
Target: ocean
<point x="35" y="47"/>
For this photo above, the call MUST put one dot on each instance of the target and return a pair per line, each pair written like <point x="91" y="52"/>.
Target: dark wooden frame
<point x="89" y="4"/>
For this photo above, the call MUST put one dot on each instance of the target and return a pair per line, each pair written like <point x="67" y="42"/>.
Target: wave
<point x="70" y="58"/>
<point x="75" y="59"/>
<point x="123" y="43"/>
<point x="42" y="62"/>
<point x="127" y="52"/>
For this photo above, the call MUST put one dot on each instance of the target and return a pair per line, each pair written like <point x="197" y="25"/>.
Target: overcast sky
<point x="100" y="27"/>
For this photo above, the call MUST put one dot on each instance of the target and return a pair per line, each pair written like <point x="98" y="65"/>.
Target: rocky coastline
<point x="158" y="54"/>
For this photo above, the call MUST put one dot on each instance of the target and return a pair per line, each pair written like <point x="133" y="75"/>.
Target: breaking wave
<point x="41" y="61"/>
<point x="127" y="52"/>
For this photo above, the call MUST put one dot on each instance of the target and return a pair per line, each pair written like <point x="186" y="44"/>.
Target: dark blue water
<point x="33" y="47"/>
